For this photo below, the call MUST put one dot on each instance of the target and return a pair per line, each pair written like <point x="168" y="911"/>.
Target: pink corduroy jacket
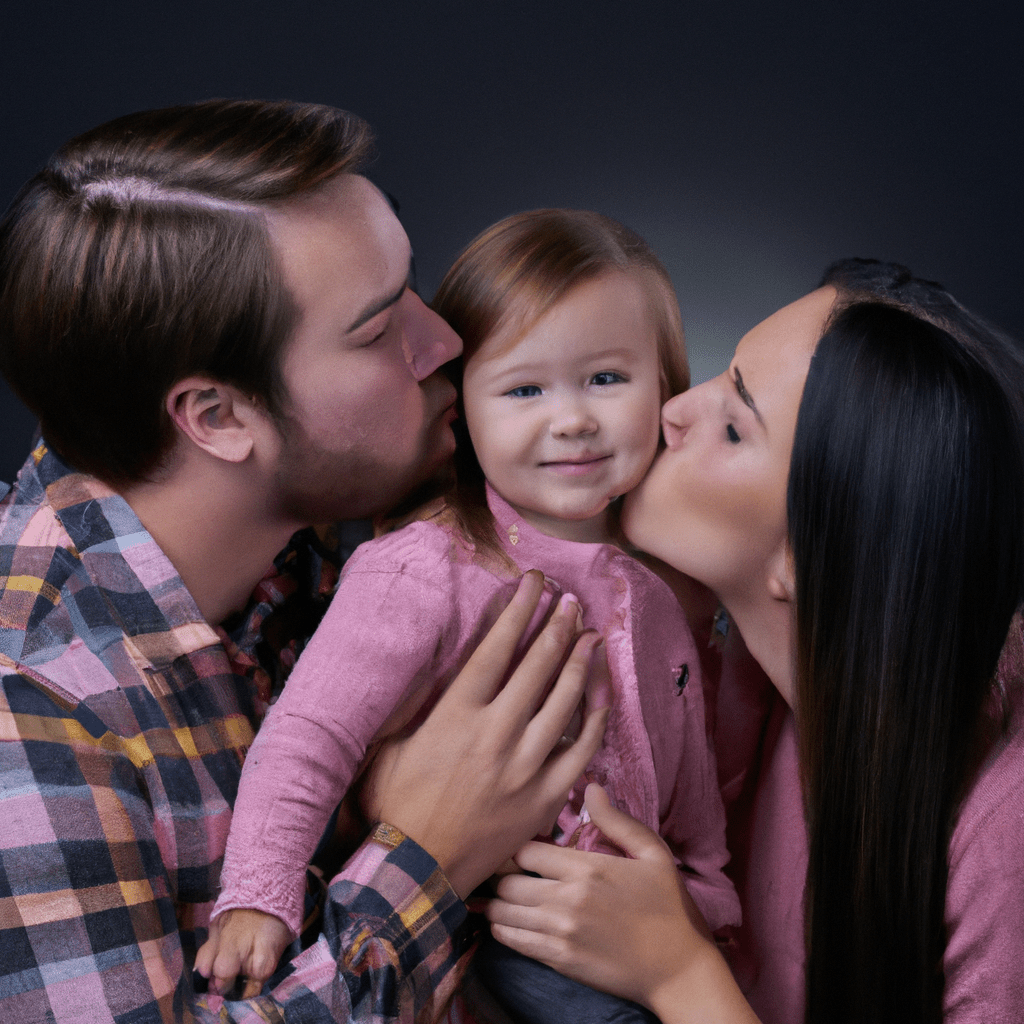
<point x="409" y="610"/>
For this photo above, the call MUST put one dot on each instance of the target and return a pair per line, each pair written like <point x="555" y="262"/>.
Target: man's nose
<point x="427" y="341"/>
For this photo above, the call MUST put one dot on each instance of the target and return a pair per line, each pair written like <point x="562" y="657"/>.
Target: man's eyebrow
<point x="745" y="395"/>
<point x="379" y="305"/>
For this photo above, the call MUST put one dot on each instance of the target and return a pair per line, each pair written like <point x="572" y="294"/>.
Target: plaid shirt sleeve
<point x="89" y="930"/>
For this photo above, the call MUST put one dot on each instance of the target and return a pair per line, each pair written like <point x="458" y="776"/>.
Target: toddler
<point x="572" y="343"/>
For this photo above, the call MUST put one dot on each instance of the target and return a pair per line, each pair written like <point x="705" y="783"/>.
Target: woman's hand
<point x="624" y="925"/>
<point x="491" y="765"/>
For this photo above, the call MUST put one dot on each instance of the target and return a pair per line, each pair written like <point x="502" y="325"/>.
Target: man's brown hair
<point x="140" y="255"/>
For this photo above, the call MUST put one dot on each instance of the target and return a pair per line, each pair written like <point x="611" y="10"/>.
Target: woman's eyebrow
<point x="745" y="395"/>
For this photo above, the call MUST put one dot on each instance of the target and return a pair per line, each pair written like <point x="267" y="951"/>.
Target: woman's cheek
<point x="650" y="516"/>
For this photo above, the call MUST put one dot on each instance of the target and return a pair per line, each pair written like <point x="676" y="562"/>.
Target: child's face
<point x="568" y="417"/>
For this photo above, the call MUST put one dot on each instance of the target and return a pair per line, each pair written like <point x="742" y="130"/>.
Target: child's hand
<point x="246" y="942"/>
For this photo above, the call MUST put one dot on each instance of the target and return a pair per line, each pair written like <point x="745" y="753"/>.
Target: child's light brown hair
<point x="511" y="275"/>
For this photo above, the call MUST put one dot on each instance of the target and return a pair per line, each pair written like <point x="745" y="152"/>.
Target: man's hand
<point x="491" y="766"/>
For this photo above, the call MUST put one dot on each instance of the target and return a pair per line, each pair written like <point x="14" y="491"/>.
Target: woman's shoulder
<point x="989" y="828"/>
<point x="985" y="890"/>
<point x="1010" y="675"/>
<point x="985" y="895"/>
<point x="995" y="801"/>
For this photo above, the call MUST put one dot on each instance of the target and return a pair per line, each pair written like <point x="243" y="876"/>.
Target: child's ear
<point x="215" y="417"/>
<point x="781" y="576"/>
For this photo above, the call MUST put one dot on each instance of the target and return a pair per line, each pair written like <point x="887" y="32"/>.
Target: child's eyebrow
<point x="742" y="391"/>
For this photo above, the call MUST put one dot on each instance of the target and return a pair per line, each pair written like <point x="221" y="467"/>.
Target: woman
<point x="852" y="488"/>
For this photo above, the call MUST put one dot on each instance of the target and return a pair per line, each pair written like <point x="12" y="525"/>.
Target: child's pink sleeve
<point x="375" y="647"/>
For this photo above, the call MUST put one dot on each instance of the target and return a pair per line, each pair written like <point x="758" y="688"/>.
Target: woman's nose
<point x="675" y="418"/>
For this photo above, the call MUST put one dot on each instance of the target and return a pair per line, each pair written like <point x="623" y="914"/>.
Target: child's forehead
<point x="607" y="317"/>
<point x="529" y="310"/>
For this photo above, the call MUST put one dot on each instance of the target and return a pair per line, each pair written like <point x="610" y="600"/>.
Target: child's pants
<point x="532" y="993"/>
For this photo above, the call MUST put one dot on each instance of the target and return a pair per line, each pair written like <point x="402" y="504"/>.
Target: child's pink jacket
<point x="409" y="611"/>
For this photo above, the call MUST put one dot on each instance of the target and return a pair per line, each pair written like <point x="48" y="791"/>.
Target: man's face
<point x="367" y="417"/>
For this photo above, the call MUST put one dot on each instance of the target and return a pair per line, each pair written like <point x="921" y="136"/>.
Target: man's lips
<point x="447" y="406"/>
<point x="444" y="398"/>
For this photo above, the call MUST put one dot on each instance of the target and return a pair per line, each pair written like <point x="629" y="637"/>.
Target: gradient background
<point x="750" y="143"/>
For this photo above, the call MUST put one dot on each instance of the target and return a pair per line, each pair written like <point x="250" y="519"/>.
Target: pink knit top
<point x="985" y="892"/>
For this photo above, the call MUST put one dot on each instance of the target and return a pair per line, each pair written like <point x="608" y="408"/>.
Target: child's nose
<point x="428" y="342"/>
<point x="573" y="418"/>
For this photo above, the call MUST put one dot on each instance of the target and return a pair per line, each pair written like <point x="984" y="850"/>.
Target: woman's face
<point x="714" y="503"/>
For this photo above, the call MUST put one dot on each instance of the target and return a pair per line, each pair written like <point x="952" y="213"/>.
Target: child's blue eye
<point x="607" y="377"/>
<point x="730" y="432"/>
<point x="524" y="391"/>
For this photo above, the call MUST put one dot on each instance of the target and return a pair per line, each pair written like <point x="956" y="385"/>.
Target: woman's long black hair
<point x="906" y="520"/>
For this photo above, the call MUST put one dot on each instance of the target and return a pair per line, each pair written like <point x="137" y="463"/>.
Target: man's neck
<point x="218" y="535"/>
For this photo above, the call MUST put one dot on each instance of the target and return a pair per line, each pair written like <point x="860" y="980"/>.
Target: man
<point x="208" y="309"/>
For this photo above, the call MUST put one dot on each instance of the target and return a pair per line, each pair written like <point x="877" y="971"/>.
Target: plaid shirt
<point x="124" y="721"/>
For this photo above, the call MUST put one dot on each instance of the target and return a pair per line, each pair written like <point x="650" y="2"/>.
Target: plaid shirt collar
<point x="144" y="598"/>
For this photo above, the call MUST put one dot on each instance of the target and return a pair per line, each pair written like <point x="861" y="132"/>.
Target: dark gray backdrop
<point x="750" y="143"/>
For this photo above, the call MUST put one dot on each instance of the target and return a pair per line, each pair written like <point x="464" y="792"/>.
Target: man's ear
<point x="781" y="577"/>
<point x="215" y="417"/>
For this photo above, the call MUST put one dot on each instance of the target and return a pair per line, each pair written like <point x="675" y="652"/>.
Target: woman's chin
<point x="628" y="518"/>
<point x="642" y="527"/>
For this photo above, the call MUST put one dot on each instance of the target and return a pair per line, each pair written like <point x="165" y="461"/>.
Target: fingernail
<point x="547" y="595"/>
<point x="565" y="602"/>
<point x="539" y="613"/>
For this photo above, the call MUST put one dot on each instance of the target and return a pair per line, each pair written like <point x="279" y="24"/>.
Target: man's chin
<point x="436" y="486"/>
